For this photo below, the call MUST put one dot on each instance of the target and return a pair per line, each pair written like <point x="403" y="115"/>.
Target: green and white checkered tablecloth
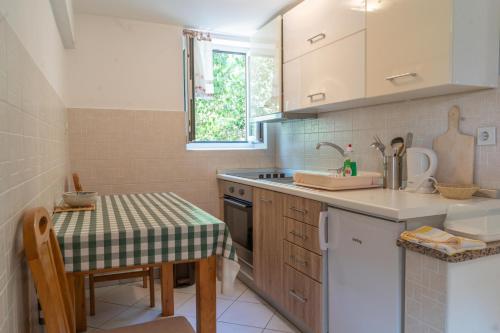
<point x="138" y="229"/>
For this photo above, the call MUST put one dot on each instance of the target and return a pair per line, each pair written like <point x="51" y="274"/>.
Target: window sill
<point x="225" y="146"/>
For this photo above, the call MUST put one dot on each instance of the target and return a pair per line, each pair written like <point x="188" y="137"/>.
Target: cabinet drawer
<point x="302" y="297"/>
<point x="332" y="74"/>
<point x="303" y="260"/>
<point x="301" y="209"/>
<point x="315" y="23"/>
<point x="303" y="235"/>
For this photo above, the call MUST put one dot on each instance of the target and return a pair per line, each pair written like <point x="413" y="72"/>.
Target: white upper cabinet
<point x="313" y="24"/>
<point x="429" y="47"/>
<point x="332" y="74"/>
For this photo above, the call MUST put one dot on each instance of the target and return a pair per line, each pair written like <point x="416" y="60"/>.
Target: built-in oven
<point x="239" y="218"/>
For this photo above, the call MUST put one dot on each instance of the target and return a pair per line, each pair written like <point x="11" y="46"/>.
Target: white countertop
<point x="390" y="204"/>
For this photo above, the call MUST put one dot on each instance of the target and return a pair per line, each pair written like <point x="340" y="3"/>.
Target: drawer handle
<point x="302" y="211"/>
<point x="298" y="297"/>
<point x="266" y="200"/>
<point x="301" y="236"/>
<point x="316" y="38"/>
<point x="312" y="98"/>
<point x="391" y="78"/>
<point x="298" y="261"/>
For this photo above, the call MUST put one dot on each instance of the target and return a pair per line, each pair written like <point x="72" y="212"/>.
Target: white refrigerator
<point x="364" y="289"/>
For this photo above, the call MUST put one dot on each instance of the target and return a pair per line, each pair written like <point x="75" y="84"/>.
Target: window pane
<point x="223" y="117"/>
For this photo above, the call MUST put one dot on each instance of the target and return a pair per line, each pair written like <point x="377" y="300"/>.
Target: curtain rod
<point x="199" y="35"/>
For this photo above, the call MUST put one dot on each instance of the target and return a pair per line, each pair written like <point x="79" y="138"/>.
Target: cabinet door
<point x="268" y="228"/>
<point x="332" y="74"/>
<point x="315" y="23"/>
<point x="408" y="45"/>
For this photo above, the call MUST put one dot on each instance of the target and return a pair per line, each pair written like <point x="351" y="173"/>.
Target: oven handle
<point x="236" y="203"/>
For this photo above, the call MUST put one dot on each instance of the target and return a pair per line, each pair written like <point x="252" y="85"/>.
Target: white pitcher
<point x="421" y="166"/>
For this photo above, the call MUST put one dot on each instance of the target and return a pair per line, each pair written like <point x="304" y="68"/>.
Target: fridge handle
<point x="323" y="219"/>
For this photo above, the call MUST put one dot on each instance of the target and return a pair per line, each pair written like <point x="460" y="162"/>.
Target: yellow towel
<point x="442" y="241"/>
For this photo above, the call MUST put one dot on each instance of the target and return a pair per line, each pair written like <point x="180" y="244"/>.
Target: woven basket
<point x="457" y="191"/>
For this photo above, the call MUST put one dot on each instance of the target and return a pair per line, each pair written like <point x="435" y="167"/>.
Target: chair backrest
<point x="47" y="268"/>
<point x="76" y="182"/>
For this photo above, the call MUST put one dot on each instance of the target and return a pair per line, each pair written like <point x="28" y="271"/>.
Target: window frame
<point x="226" y="45"/>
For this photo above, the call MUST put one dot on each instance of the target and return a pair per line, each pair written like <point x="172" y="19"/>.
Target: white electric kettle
<point x="421" y="167"/>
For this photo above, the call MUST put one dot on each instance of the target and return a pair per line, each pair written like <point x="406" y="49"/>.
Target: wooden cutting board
<point x="455" y="153"/>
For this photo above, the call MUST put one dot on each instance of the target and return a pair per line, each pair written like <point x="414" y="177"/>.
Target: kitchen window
<point x="217" y="94"/>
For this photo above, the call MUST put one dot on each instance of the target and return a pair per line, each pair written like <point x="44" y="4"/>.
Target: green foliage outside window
<point x="223" y="117"/>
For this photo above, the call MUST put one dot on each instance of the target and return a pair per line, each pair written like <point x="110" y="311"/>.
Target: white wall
<point x="125" y="64"/>
<point x="33" y="22"/>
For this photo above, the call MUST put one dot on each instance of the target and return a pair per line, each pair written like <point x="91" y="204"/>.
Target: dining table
<point x="137" y="231"/>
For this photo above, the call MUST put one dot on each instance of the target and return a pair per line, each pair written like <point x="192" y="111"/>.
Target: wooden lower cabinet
<point x="302" y="298"/>
<point x="304" y="261"/>
<point x="268" y="242"/>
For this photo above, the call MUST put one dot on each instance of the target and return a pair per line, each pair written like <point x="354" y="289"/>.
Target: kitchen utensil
<point x="421" y="165"/>
<point x="378" y="147"/>
<point x="392" y="176"/>
<point x="455" y="191"/>
<point x="409" y="140"/>
<point x="455" y="152"/>
<point x="396" y="145"/>
<point x="79" y="199"/>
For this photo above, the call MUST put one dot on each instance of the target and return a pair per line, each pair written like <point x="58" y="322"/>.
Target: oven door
<point x="239" y="219"/>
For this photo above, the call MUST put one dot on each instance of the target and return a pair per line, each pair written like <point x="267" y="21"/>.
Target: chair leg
<point x="151" y="271"/>
<point x="145" y="278"/>
<point x="92" y="294"/>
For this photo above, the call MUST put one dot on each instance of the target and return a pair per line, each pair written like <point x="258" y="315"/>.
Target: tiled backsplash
<point x="426" y="118"/>
<point x="33" y="169"/>
<point x="122" y="151"/>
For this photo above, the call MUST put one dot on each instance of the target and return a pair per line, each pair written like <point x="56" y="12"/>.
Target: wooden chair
<point x="146" y="273"/>
<point x="55" y="293"/>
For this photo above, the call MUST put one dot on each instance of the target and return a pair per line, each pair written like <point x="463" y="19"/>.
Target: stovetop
<point x="277" y="175"/>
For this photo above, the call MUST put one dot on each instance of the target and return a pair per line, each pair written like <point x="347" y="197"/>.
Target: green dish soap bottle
<point x="350" y="167"/>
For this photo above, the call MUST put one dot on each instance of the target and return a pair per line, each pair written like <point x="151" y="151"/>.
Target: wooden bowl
<point x="79" y="199"/>
<point x="457" y="191"/>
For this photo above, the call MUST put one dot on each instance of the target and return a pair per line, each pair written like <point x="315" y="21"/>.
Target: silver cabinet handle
<point x="302" y="211"/>
<point x="316" y="38"/>
<point x="266" y="200"/>
<point x="312" y="98"/>
<point x="390" y="78"/>
<point x="298" y="261"/>
<point x="298" y="297"/>
<point x="301" y="236"/>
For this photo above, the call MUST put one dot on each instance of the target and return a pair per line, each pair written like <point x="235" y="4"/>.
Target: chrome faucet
<point x="337" y="148"/>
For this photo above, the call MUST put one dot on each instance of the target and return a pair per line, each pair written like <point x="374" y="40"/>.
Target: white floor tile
<point x="131" y="317"/>
<point x="279" y="323"/>
<point x="245" y="313"/>
<point x="124" y="295"/>
<point x="179" y="300"/>
<point x="250" y="296"/>
<point x="189" y="307"/>
<point x="104" y="312"/>
<point x="238" y="289"/>
<point x="188" y="290"/>
<point x="231" y="328"/>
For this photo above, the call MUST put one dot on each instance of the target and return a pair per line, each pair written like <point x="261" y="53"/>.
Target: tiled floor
<point x="242" y="312"/>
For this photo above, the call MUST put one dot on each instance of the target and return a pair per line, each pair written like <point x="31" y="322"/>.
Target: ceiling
<point x="236" y="17"/>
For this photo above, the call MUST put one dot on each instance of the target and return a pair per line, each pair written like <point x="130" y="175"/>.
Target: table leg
<point x="167" y="289"/>
<point x="80" y="310"/>
<point x="205" y="295"/>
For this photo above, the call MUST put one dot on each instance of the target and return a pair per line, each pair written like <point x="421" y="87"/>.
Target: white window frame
<point x="224" y="45"/>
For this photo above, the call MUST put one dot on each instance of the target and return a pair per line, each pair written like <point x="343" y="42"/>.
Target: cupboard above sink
<point x="339" y="55"/>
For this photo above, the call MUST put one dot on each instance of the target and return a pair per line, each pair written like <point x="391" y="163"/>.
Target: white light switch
<point x="486" y="136"/>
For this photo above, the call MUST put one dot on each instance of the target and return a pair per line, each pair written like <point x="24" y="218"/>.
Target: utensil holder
<point x="392" y="172"/>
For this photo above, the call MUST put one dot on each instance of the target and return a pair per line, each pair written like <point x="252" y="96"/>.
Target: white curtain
<point x="203" y="69"/>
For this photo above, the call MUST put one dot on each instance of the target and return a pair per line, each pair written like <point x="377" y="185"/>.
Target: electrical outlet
<point x="486" y="136"/>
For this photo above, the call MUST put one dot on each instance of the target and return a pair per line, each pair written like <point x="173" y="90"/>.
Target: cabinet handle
<point x="316" y="38"/>
<point x="298" y="261"/>
<point x="266" y="200"/>
<point x="302" y="211"/>
<point x="301" y="236"/>
<point x="312" y="98"/>
<point x="298" y="297"/>
<point x="391" y="78"/>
